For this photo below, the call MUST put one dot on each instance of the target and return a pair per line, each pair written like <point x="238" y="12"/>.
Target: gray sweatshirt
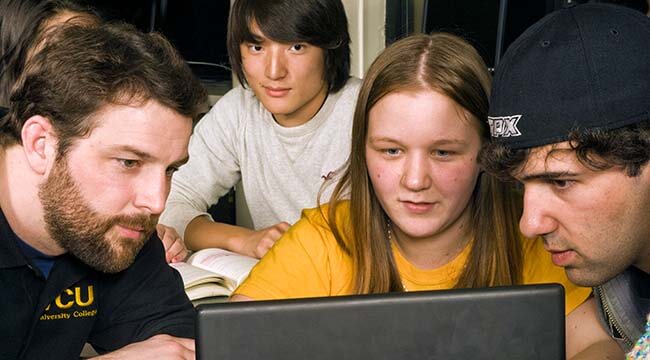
<point x="281" y="169"/>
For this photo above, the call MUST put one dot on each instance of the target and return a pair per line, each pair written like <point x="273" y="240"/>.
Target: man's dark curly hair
<point x="627" y="147"/>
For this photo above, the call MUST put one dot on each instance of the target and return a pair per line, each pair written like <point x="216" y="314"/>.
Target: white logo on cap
<point x="504" y="126"/>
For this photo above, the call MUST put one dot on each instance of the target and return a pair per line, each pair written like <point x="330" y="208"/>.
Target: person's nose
<point x="275" y="68"/>
<point x="536" y="219"/>
<point x="416" y="174"/>
<point x="152" y="192"/>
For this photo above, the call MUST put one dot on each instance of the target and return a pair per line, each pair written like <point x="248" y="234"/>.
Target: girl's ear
<point x="39" y="143"/>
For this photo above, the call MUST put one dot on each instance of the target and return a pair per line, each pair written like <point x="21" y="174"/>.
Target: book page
<point x="193" y="275"/>
<point x="209" y="290"/>
<point x="234" y="268"/>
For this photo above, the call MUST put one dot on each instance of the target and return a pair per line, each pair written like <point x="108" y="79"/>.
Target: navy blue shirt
<point x="43" y="262"/>
<point x="53" y="317"/>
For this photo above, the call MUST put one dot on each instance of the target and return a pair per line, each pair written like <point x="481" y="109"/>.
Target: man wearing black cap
<point x="570" y="119"/>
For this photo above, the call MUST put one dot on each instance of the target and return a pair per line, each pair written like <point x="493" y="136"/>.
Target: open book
<point x="213" y="272"/>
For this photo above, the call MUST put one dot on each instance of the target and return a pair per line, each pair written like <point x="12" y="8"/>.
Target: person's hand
<point x="175" y="250"/>
<point x="257" y="243"/>
<point x="159" y="347"/>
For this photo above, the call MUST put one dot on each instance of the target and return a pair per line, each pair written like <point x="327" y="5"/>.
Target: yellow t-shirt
<point x="307" y="262"/>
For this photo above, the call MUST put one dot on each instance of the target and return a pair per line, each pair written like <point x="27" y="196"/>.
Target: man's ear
<point x="39" y="143"/>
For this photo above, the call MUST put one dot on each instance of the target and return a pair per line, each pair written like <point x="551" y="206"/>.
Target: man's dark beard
<point x="83" y="232"/>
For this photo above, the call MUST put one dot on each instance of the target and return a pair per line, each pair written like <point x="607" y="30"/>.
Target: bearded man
<point x="98" y="123"/>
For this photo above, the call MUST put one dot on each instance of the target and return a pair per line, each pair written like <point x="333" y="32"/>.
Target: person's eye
<point x="128" y="163"/>
<point x="561" y="184"/>
<point x="297" y="47"/>
<point x="392" y="151"/>
<point x="254" y="48"/>
<point x="442" y="153"/>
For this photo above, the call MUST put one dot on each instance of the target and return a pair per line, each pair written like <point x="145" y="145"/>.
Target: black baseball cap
<point x="582" y="67"/>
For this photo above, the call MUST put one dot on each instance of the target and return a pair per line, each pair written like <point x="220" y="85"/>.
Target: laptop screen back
<point x="519" y="322"/>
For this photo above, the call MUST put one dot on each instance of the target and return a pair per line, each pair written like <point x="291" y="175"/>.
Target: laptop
<point x="514" y="322"/>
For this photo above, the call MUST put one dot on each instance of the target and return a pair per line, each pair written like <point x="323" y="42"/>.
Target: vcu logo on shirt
<point x="71" y="297"/>
<point x="74" y="302"/>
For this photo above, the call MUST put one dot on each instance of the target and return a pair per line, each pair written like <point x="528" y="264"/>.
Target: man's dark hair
<point x="320" y="23"/>
<point x="21" y="25"/>
<point x="627" y="147"/>
<point x="80" y="70"/>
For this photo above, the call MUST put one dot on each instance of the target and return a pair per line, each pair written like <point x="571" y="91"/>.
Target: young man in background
<point x="281" y="133"/>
